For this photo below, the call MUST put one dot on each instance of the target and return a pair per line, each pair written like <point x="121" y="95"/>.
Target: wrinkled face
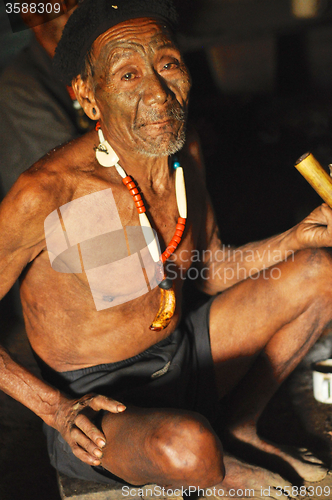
<point x="141" y="87"/>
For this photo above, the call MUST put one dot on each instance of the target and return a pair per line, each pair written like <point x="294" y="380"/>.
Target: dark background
<point x="261" y="98"/>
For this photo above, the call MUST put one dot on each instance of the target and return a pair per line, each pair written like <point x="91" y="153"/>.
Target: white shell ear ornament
<point x="105" y="154"/>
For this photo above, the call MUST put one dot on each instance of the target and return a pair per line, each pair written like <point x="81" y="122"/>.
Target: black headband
<point x="94" y="17"/>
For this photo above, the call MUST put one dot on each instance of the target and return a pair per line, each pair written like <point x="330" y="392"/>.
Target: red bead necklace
<point x="139" y="203"/>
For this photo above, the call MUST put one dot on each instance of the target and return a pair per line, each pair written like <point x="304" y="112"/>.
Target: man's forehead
<point x="134" y="34"/>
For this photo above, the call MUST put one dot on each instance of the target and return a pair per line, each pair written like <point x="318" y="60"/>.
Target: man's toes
<point x="309" y="457"/>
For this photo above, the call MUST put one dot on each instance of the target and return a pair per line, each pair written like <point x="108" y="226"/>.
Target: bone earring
<point x="105" y="154"/>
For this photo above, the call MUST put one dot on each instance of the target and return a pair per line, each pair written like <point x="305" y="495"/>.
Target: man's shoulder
<point x="56" y="175"/>
<point x="38" y="189"/>
<point x="52" y="182"/>
<point x="63" y="161"/>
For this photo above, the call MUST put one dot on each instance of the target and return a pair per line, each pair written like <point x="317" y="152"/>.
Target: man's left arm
<point x="223" y="266"/>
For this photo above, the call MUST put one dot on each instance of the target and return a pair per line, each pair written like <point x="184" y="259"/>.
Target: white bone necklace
<point x="107" y="157"/>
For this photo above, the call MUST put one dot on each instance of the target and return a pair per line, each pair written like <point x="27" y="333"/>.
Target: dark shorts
<point x="175" y="373"/>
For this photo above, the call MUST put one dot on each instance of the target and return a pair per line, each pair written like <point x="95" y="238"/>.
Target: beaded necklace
<point x="107" y="157"/>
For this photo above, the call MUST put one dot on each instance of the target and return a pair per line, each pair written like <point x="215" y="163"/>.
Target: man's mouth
<point x="158" y="123"/>
<point x="155" y="123"/>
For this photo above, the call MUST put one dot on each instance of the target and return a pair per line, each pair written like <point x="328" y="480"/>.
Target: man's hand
<point x="73" y="422"/>
<point x="316" y="229"/>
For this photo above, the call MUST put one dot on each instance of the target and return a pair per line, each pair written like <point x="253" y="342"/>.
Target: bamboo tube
<point x="314" y="173"/>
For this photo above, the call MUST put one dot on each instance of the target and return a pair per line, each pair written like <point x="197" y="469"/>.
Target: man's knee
<point x="190" y="451"/>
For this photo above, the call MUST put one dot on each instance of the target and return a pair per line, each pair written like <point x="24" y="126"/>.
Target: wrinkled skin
<point x="141" y="89"/>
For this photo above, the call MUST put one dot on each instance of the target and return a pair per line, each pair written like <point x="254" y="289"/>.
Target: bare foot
<point x="307" y="466"/>
<point x="249" y="481"/>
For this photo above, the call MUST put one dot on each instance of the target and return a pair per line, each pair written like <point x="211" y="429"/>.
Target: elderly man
<point x="127" y="393"/>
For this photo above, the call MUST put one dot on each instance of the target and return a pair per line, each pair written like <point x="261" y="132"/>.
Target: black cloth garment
<point x="36" y="113"/>
<point x="175" y="373"/>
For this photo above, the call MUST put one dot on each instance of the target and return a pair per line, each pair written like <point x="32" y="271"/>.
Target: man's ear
<point x="86" y="98"/>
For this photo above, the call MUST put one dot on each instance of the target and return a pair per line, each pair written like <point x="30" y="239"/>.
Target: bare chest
<point x="98" y="237"/>
<point x="100" y="268"/>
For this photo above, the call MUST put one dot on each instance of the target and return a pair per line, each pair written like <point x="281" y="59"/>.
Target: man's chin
<point x="158" y="148"/>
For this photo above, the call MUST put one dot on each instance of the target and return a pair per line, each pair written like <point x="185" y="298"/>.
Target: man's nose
<point x="156" y="90"/>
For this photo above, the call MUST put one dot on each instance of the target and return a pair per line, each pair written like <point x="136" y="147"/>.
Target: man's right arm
<point x="22" y="215"/>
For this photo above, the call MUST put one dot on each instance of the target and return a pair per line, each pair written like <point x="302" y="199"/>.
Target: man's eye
<point x="171" y="65"/>
<point x="128" y="76"/>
